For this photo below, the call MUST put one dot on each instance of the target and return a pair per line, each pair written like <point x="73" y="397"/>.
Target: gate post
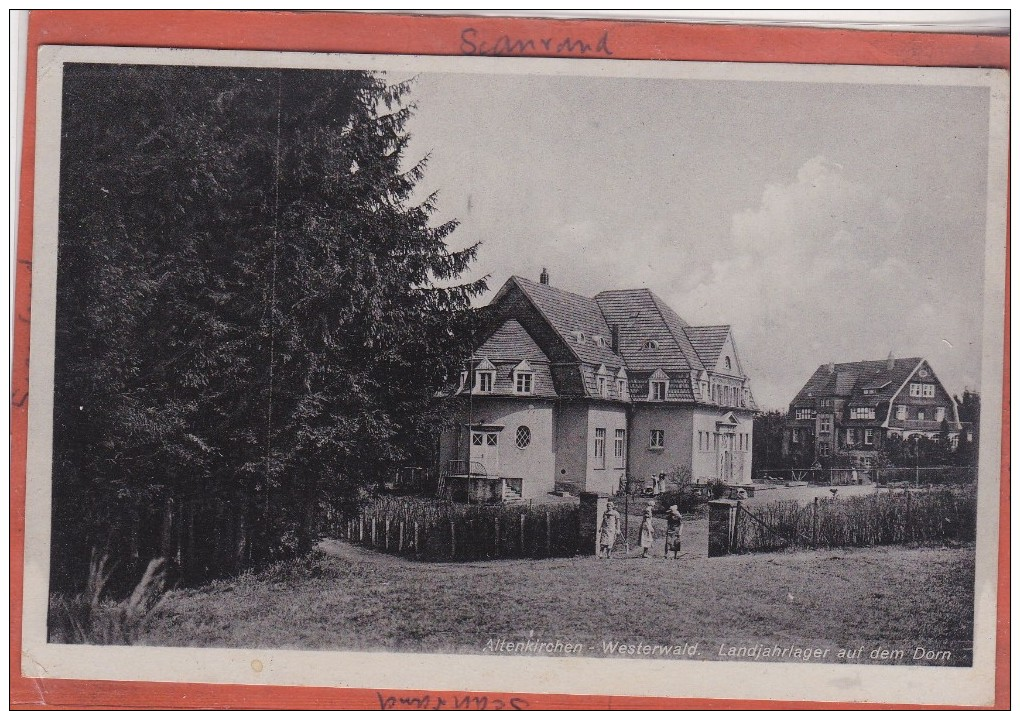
<point x="591" y="510"/>
<point x="722" y="524"/>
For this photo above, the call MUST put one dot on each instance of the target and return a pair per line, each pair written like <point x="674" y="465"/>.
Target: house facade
<point x="570" y="393"/>
<point x="855" y="408"/>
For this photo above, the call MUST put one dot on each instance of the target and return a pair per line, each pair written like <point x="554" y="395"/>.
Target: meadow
<point x="352" y="598"/>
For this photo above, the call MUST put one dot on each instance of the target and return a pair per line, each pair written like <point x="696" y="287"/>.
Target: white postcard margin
<point x="506" y="674"/>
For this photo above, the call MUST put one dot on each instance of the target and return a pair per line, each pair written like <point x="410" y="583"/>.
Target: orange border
<point x="407" y="34"/>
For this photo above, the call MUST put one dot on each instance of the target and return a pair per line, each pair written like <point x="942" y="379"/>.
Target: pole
<point x="917" y="470"/>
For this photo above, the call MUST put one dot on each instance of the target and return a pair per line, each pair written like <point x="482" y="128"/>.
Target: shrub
<point x="941" y="515"/>
<point x="436" y="529"/>
<point x="91" y="618"/>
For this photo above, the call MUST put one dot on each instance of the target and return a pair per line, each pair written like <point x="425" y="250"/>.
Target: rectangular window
<point x="600" y="447"/>
<point x="658" y="390"/>
<point x="485" y="382"/>
<point x="869" y="436"/>
<point x="524" y="382"/>
<point x="620" y="446"/>
<point x="826" y="402"/>
<point x="823" y="449"/>
<point x="922" y="390"/>
<point x="850" y="438"/>
<point x="491" y="439"/>
<point x="928" y="391"/>
<point x="621" y="388"/>
<point x="795" y="436"/>
<point x="476" y="439"/>
<point x="940" y="414"/>
<point x="805" y="413"/>
<point x="920" y="415"/>
<point x="901" y="412"/>
<point x="657" y="439"/>
<point x="862" y="413"/>
<point x="603" y="386"/>
<point x="825" y="426"/>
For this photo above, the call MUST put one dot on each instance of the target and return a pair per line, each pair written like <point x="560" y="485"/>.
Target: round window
<point x="523" y="437"/>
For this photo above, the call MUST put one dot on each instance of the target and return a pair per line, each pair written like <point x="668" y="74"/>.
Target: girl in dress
<point x="647" y="532"/>
<point x="610" y="530"/>
<point x="674" y="529"/>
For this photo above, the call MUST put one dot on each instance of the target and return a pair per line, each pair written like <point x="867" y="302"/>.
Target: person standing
<point x="674" y="530"/>
<point x="647" y="532"/>
<point x="609" y="531"/>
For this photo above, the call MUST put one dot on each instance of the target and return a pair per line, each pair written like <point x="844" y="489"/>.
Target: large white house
<point x="571" y="393"/>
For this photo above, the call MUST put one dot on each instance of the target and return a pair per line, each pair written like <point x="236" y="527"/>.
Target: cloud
<point x="822" y="270"/>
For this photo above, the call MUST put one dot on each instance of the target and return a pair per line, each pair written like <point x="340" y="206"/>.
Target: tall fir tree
<point x="248" y="319"/>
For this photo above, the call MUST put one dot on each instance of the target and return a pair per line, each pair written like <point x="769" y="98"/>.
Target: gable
<point x="511" y="341"/>
<point x="727" y="361"/>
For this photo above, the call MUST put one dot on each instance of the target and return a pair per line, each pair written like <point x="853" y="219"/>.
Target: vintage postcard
<point x="606" y="377"/>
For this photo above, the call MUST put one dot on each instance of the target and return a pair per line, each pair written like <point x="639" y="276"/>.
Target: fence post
<point x="908" y="537"/>
<point x="386" y="535"/>
<point x="736" y="526"/>
<point x="400" y="537"/>
<point x="496" y="521"/>
<point x="417" y="549"/>
<point x="361" y="528"/>
<point x="522" y="535"/>
<point x="373" y="531"/>
<point x="814" y="523"/>
<point x="453" y="540"/>
<point x="548" y="534"/>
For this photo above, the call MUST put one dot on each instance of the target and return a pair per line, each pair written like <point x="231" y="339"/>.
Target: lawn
<point x="345" y="597"/>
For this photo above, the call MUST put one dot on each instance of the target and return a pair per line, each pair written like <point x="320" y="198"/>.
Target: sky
<point x="823" y="222"/>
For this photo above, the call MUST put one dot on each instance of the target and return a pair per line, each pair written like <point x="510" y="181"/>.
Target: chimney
<point x="615" y="331"/>
<point x="890" y="363"/>
<point x="544" y="277"/>
<point x="832" y="368"/>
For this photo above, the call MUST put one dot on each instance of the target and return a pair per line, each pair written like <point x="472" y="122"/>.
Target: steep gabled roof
<point x="708" y="341"/>
<point x="845" y="377"/>
<point x="642" y="316"/>
<point x="570" y="313"/>
<point x="511" y="342"/>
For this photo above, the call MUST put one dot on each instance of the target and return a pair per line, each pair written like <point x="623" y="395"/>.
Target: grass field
<point x="345" y="597"/>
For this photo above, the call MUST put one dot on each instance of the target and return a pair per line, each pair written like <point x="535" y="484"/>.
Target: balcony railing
<point x="465" y="467"/>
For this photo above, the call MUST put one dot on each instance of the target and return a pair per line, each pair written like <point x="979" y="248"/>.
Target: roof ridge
<point x="551" y="288"/>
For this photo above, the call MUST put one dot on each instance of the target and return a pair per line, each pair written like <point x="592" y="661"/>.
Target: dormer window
<point x="600" y="341"/>
<point x="524" y="383"/>
<point x="658" y="385"/>
<point x="485" y="377"/>
<point x="578" y="336"/>
<point x="602" y="381"/>
<point x="524" y="378"/>
<point x="485" y="382"/>
<point x="651" y="345"/>
<point x="622" y="385"/>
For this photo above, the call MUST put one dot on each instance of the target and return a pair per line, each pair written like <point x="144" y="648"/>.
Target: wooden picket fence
<point x="435" y="530"/>
<point x="888" y="517"/>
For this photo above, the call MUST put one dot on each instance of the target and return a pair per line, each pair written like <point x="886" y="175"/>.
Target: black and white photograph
<point x="600" y="376"/>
